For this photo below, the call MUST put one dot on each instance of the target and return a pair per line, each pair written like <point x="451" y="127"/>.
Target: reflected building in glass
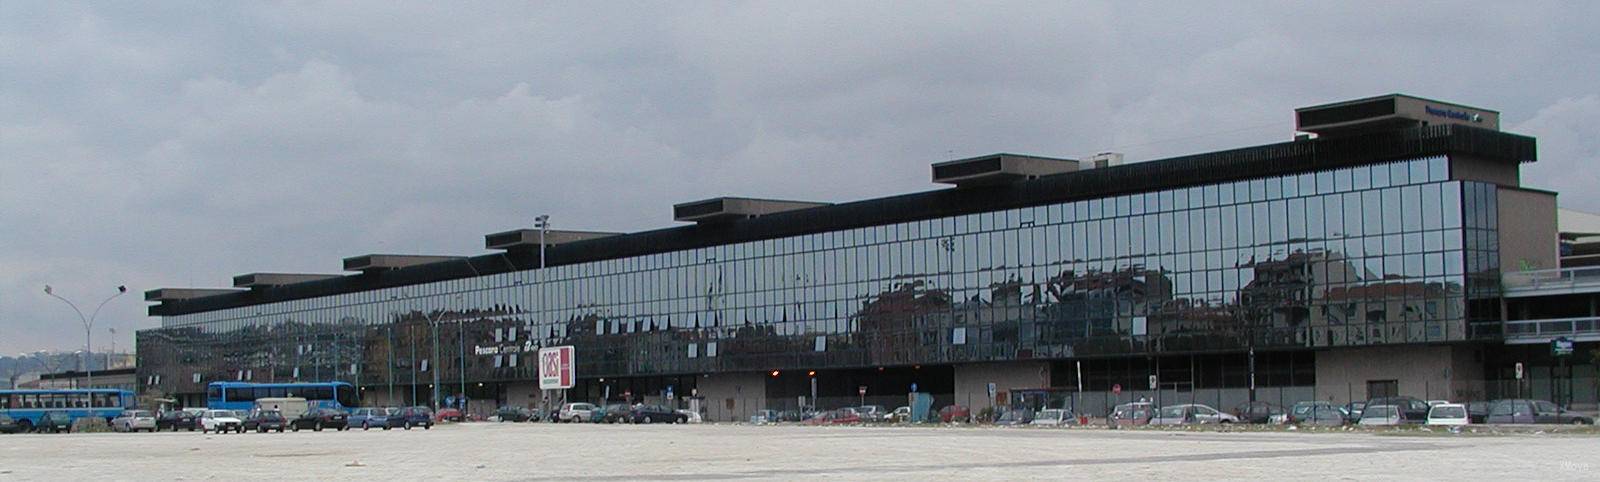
<point x="1367" y="256"/>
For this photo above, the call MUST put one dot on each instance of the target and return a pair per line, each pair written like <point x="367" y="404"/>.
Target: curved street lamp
<point x="88" y="327"/>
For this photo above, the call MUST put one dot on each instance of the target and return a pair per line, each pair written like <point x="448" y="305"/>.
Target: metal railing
<point x="1552" y="279"/>
<point x="1538" y="331"/>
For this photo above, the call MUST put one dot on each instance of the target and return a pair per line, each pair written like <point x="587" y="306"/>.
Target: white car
<point x="576" y="412"/>
<point x="134" y="421"/>
<point x="1448" y="414"/>
<point x="1052" y="417"/>
<point x="221" y="421"/>
<point x="694" y="417"/>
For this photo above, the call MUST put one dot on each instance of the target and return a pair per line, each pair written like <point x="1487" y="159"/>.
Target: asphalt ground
<point x="540" y="451"/>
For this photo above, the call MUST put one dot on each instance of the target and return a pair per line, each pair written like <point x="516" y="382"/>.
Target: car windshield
<point x="1301" y="409"/>
<point x="1173" y="412"/>
<point x="139" y="413"/>
<point x="1444" y="411"/>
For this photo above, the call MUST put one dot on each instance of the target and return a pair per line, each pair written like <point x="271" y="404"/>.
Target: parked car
<point x="837" y="417"/>
<point x="872" y="413"/>
<point x="134" y="421"/>
<point x="577" y="412"/>
<point x="1015" y="417"/>
<point x="1534" y="411"/>
<point x="1131" y="413"/>
<point x="1258" y="412"/>
<point x="1316" y="413"/>
<point x="1478" y="412"/>
<point x="614" y="413"/>
<point x="448" y="414"/>
<point x="1052" y="417"/>
<point x="321" y="418"/>
<point x="221" y="421"/>
<point x="54" y="422"/>
<point x="765" y="416"/>
<point x="900" y="415"/>
<point x="176" y="420"/>
<point x="369" y="417"/>
<point x="412" y="417"/>
<point x="513" y="414"/>
<point x="8" y="425"/>
<point x="1191" y="413"/>
<point x="265" y="420"/>
<point x="655" y="414"/>
<point x="691" y="416"/>
<point x="1448" y="414"/>
<point x="1412" y="410"/>
<point x="955" y="413"/>
<point x="1382" y="415"/>
<point x="795" y="415"/>
<point x="1353" y="410"/>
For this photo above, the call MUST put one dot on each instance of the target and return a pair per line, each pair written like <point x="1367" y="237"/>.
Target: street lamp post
<point x="88" y="327"/>
<point x="542" y="223"/>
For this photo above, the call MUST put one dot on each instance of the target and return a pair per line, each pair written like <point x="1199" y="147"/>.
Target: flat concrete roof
<point x="374" y="262"/>
<point x="166" y="294"/>
<point x="722" y="209"/>
<point x="264" y="280"/>
<point x="529" y="238"/>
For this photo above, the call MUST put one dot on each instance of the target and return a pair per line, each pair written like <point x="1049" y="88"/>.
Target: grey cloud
<point x="176" y="144"/>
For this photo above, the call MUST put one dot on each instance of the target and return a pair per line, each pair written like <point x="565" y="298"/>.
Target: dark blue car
<point x="412" y="417"/>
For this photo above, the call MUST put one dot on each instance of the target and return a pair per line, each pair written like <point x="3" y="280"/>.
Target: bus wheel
<point x="25" y="426"/>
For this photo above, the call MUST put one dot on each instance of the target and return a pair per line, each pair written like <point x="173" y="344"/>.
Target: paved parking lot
<point x="708" y="452"/>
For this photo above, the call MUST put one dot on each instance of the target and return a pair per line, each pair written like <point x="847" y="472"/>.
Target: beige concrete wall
<point x="1468" y="168"/>
<point x="972" y="381"/>
<point x="1426" y="372"/>
<point x="733" y="397"/>
<point x="1528" y="231"/>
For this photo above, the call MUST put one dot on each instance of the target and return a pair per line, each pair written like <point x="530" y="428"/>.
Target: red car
<point x="955" y="413"/>
<point x="448" y="415"/>
<point x="836" y="417"/>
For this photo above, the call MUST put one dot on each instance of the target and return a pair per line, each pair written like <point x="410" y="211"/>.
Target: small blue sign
<point x="913" y="387"/>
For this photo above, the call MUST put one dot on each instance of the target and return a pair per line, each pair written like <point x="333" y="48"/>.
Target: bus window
<point x="214" y="393"/>
<point x="114" y="400"/>
<point x="319" y="393"/>
<point x="346" y="395"/>
<point x="102" y="400"/>
<point x="278" y="392"/>
<point x="78" y="400"/>
<point x="5" y="402"/>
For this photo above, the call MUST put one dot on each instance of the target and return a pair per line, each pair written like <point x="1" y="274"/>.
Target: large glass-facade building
<point x="1264" y="266"/>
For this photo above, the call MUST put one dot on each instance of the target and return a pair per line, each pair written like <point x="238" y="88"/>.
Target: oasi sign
<point x="557" y="368"/>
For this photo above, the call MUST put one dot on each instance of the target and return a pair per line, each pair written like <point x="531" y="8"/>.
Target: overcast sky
<point x="167" y="145"/>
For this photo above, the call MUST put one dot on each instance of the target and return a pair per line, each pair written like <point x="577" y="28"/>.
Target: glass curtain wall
<point x="1367" y="255"/>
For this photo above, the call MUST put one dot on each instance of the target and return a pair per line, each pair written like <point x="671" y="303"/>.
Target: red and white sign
<point x="557" y="370"/>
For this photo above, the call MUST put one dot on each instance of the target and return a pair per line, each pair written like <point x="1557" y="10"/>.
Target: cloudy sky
<point x="160" y="144"/>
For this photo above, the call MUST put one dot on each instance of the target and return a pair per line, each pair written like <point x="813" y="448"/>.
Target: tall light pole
<point x="88" y="327"/>
<point x="542" y="223"/>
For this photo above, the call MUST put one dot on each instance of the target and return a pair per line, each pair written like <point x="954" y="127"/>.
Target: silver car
<point x="134" y="421"/>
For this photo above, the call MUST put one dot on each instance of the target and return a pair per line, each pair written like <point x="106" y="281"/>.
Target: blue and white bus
<point x="27" y="406"/>
<point x="243" y="395"/>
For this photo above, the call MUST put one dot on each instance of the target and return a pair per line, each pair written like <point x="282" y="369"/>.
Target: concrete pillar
<point x="731" y="397"/>
<point x="972" y="381"/>
<point x="1425" y="372"/>
<point x="523" y="394"/>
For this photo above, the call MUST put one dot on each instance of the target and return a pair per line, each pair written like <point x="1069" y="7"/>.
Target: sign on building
<point x="1561" y="347"/>
<point x="557" y="369"/>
